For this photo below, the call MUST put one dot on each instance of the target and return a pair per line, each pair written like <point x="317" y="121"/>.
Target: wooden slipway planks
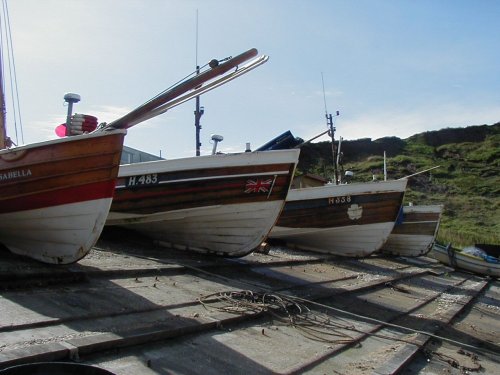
<point x="131" y="307"/>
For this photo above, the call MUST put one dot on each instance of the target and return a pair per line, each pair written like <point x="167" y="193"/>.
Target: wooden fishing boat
<point x="221" y="204"/>
<point x="488" y="266"/>
<point x="415" y="231"/>
<point x="218" y="204"/>
<point x="55" y="195"/>
<point x="351" y="220"/>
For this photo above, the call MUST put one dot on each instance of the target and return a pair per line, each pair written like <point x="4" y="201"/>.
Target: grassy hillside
<point x="467" y="181"/>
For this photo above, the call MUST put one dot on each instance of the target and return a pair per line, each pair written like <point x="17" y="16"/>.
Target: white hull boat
<point x="61" y="234"/>
<point x="352" y="220"/>
<point x="414" y="232"/>
<point x="55" y="195"/>
<point x="468" y="262"/>
<point x="219" y="204"/>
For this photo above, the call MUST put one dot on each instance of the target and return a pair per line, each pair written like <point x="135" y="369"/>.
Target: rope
<point x="453" y="362"/>
<point x="315" y="326"/>
<point x="260" y="305"/>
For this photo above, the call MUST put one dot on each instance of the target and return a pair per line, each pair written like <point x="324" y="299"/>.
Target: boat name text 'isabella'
<point x="15" y="174"/>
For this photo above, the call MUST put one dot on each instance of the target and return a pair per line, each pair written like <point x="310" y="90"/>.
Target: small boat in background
<point x="222" y="204"/>
<point x="415" y="231"/>
<point x="475" y="261"/>
<point x="352" y="220"/>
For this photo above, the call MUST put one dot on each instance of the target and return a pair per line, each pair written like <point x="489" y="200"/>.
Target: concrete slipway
<point x="133" y="308"/>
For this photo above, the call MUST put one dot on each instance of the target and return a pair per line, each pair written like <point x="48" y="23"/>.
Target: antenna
<point x="324" y="94"/>
<point x="196" y="45"/>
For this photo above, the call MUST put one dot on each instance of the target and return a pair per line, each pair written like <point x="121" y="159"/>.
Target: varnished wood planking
<point x="319" y="213"/>
<point x="62" y="150"/>
<point x="198" y="193"/>
<point x="211" y="173"/>
<point x="88" y="161"/>
<point x="52" y="177"/>
<point x="421" y="216"/>
<point x="424" y="228"/>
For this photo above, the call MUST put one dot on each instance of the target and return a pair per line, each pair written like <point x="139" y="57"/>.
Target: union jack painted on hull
<point x="258" y="186"/>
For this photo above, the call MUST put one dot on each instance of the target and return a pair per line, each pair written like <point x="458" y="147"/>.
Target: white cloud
<point x="388" y="123"/>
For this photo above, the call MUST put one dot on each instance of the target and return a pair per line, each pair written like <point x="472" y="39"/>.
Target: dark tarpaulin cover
<point x="284" y="141"/>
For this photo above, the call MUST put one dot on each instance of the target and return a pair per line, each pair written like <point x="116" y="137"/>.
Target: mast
<point x="5" y="141"/>
<point x="331" y="133"/>
<point x="3" y="131"/>
<point x="198" y="112"/>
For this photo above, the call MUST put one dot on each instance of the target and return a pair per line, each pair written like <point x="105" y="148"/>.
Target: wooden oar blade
<point x="182" y="88"/>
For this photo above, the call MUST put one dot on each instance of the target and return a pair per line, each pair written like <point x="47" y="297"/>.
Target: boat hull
<point x="415" y="232"/>
<point x="349" y="220"/>
<point x="463" y="261"/>
<point x="220" y="204"/>
<point x="55" y="195"/>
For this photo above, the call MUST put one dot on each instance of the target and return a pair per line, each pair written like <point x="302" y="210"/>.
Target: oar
<point x="195" y="82"/>
<point x="201" y="90"/>
<point x="414" y="174"/>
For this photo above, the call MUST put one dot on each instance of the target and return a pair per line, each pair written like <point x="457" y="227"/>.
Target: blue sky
<point x="392" y="67"/>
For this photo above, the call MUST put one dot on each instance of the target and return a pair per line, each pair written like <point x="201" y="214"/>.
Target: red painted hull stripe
<point x="73" y="194"/>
